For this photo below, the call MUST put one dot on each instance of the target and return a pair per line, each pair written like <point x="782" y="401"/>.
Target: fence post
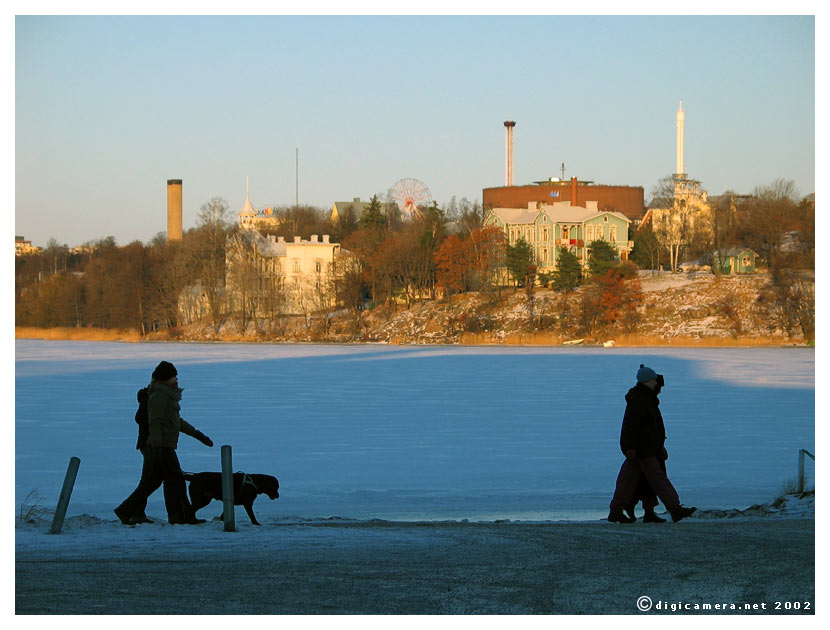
<point x="227" y="489"/>
<point x="801" y="481"/>
<point x="66" y="492"/>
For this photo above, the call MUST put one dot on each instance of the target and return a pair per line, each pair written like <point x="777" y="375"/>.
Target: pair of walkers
<point x="642" y="476"/>
<point x="159" y="425"/>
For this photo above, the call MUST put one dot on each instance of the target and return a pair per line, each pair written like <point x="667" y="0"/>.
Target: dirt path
<point x="444" y="568"/>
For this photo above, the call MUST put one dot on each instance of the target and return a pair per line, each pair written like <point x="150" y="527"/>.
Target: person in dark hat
<point x="644" y="492"/>
<point x="161" y="461"/>
<point x="642" y="441"/>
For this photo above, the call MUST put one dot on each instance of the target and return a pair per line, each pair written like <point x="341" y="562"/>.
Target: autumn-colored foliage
<point x="611" y="300"/>
<point x="467" y="264"/>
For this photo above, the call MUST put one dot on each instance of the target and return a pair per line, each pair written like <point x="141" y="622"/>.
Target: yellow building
<point x="270" y="276"/>
<point x="22" y="247"/>
<point x="689" y="214"/>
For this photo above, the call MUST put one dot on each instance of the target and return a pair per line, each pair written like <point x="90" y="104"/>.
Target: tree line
<point x="387" y="259"/>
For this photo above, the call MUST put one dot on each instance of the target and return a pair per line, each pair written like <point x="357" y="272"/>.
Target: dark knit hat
<point x="645" y="374"/>
<point x="164" y="371"/>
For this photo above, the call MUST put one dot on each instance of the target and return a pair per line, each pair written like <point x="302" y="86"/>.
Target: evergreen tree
<point x="372" y="216"/>
<point x="519" y="258"/>
<point x="568" y="274"/>
<point x="602" y="256"/>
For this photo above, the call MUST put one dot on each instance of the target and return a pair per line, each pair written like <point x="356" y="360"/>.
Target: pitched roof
<point x="264" y="246"/>
<point x="559" y="212"/>
<point x="736" y="251"/>
<point x="247" y="209"/>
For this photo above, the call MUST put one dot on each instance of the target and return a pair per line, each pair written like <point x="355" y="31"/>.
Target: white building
<point x="268" y="276"/>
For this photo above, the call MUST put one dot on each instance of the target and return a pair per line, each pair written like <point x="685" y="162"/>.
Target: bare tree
<point x="768" y="217"/>
<point x="242" y="279"/>
<point x="209" y="255"/>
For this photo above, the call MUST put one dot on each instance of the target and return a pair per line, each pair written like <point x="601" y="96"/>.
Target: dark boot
<point x="680" y="512"/>
<point x="651" y="517"/>
<point x="141" y="518"/>
<point x="122" y="515"/>
<point x="617" y="516"/>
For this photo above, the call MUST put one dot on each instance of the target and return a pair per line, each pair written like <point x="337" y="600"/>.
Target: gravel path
<point x="431" y="568"/>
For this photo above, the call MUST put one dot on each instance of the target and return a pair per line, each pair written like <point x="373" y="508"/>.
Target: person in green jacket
<point x="163" y="466"/>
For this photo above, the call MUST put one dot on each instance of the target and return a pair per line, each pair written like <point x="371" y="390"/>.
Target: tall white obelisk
<point x="681" y="117"/>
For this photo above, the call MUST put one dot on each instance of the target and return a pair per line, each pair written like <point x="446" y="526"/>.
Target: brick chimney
<point x="574" y="192"/>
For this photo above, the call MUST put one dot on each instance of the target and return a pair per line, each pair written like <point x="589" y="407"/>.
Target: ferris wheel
<point x="410" y="194"/>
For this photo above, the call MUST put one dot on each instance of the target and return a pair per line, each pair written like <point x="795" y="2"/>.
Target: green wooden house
<point x="549" y="227"/>
<point x="736" y="260"/>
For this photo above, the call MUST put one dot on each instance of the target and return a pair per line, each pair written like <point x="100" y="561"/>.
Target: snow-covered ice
<point x="413" y="433"/>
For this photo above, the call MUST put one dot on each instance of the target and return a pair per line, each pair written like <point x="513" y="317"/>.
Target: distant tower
<point x="508" y="125"/>
<point x="174" y="210"/>
<point x="681" y="118"/>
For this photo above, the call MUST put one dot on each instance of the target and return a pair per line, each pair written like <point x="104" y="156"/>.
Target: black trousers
<point x="161" y="466"/>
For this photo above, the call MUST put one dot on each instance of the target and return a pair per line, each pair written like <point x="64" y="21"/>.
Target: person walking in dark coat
<point x="642" y="439"/>
<point x="161" y="461"/>
<point x="644" y="492"/>
<point x="131" y="511"/>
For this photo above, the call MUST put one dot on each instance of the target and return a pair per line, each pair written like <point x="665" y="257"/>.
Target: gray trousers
<point x="629" y="477"/>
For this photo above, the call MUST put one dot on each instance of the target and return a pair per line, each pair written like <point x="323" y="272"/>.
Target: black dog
<point x="206" y="486"/>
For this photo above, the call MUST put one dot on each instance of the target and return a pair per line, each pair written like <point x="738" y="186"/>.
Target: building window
<point x="613" y="234"/>
<point x="318" y="266"/>
<point x="545" y="257"/>
<point x="589" y="233"/>
<point x="296" y="266"/>
<point x="545" y="234"/>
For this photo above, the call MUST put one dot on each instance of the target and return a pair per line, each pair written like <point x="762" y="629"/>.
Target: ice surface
<point x="414" y="433"/>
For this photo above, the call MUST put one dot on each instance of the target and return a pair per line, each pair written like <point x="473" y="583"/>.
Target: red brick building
<point x="627" y="200"/>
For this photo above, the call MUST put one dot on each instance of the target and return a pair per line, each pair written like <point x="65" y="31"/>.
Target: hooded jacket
<point x="642" y="427"/>
<point x="163" y="413"/>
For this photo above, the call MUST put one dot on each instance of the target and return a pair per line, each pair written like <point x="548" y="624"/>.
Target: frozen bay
<point x="415" y="433"/>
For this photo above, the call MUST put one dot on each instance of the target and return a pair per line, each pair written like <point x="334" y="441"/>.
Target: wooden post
<point x="801" y="481"/>
<point x="66" y="492"/>
<point x="227" y="489"/>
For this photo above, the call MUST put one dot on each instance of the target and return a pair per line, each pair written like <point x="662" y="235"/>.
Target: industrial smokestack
<point x="508" y="125"/>
<point x="174" y="210"/>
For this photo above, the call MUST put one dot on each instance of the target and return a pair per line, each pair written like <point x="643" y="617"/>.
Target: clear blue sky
<point x="108" y="108"/>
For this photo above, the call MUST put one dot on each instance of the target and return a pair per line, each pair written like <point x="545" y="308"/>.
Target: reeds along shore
<point x="76" y="334"/>
<point x="465" y="339"/>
